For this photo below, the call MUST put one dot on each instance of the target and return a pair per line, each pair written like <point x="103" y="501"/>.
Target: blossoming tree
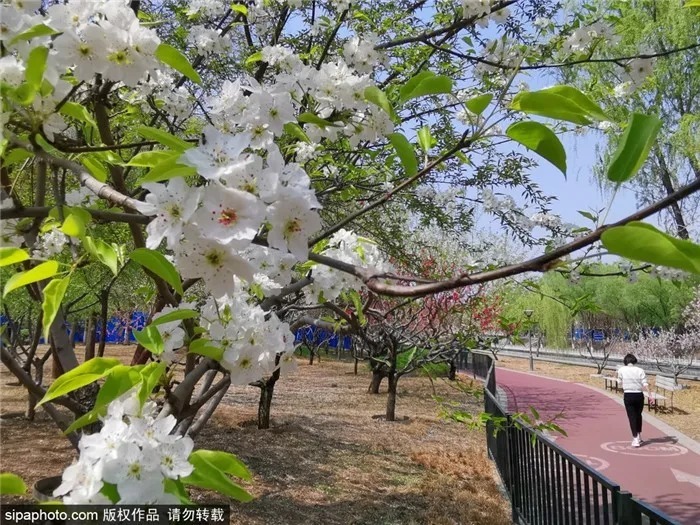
<point x="233" y="143"/>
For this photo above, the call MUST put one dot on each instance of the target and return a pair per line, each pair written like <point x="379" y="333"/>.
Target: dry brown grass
<point x="325" y="460"/>
<point x="686" y="402"/>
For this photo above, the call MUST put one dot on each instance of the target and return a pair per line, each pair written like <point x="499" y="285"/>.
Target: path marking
<point x="593" y="462"/>
<point x="684" y="477"/>
<point x="646" y="450"/>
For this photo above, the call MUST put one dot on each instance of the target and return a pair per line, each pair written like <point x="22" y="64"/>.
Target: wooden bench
<point x="611" y="382"/>
<point x="668" y="386"/>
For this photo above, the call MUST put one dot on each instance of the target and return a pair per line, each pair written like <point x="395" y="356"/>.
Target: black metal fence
<point x="548" y="485"/>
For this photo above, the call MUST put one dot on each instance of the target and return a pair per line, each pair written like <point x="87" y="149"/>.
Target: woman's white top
<point x="633" y="378"/>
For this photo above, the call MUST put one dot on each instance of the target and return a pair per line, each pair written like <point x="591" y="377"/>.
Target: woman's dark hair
<point x="630" y="359"/>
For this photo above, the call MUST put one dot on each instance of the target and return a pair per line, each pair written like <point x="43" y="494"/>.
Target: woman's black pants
<point x="634" y="404"/>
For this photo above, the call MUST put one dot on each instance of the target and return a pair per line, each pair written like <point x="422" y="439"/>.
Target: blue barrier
<point x="317" y="336"/>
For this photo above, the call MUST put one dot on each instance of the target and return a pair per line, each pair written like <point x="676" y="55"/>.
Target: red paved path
<point x="598" y="433"/>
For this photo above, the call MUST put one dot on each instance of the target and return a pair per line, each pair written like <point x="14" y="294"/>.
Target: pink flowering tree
<point x="674" y="351"/>
<point x="225" y="150"/>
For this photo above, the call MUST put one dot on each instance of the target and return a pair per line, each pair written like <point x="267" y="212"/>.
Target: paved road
<point x="663" y="472"/>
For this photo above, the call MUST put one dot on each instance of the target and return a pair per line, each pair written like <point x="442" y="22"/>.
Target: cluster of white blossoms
<point x="254" y="343"/>
<point x="209" y="228"/>
<point x="208" y="41"/>
<point x="360" y="53"/>
<point x="583" y="37"/>
<point x="49" y="244"/>
<point x="134" y="451"/>
<point x="102" y="36"/>
<point x="263" y="110"/>
<point x="347" y="247"/>
<point x="547" y="220"/>
<point x="481" y="11"/>
<point x="635" y="73"/>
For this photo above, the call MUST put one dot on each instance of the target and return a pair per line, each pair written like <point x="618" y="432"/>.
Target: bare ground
<point x="325" y="460"/>
<point x="686" y="402"/>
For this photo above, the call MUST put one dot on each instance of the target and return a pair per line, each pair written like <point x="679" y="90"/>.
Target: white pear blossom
<point x="173" y="205"/>
<point x="292" y="224"/>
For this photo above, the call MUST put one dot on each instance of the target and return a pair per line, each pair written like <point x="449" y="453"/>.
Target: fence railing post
<point x="627" y="513"/>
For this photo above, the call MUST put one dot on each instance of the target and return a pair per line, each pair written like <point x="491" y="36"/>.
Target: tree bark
<point x="667" y="182"/>
<point x="452" y="374"/>
<point x="391" y="398"/>
<point x="90" y="336"/>
<point x="311" y="355"/>
<point x="104" y="301"/>
<point x="377" y="376"/>
<point x="267" y="390"/>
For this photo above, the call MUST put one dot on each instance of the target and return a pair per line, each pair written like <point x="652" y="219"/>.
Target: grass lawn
<point x="325" y="460"/>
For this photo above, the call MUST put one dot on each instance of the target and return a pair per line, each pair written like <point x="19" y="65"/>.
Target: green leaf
<point x="225" y="462"/>
<point x="255" y="57"/>
<point x="168" y="170"/>
<point x="96" y="168"/>
<point x="425" y="139"/>
<point x="11" y="484"/>
<point x="74" y="225"/>
<point x="293" y="129"/>
<point x="148" y="159"/>
<point x="239" y="9"/>
<point x="78" y="112"/>
<point x="588" y="215"/>
<point x="405" y="151"/>
<point x="36" y="65"/>
<point x="377" y="97"/>
<point x="43" y="271"/>
<point x="692" y="3"/>
<point x="10" y="255"/>
<point x="208" y="476"/>
<point x="150" y="339"/>
<point x="477" y="105"/>
<point x="310" y="118"/>
<point x="53" y="296"/>
<point x="36" y="31"/>
<point x="103" y="252"/>
<point x="89" y="372"/>
<point x="643" y="242"/>
<point x="425" y="83"/>
<point x="176" y="60"/>
<point x="357" y="303"/>
<point x="634" y="147"/>
<point x="120" y="380"/>
<point x="205" y="348"/>
<point x="586" y="104"/>
<point x="176" y="315"/>
<point x="550" y="105"/>
<point x="15" y="156"/>
<point x="159" y="265"/>
<point x="175" y="486"/>
<point x="165" y="138"/>
<point x="540" y="139"/>
<point x="150" y="376"/>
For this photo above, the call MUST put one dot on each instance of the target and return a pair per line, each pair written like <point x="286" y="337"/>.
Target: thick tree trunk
<point x="391" y="398"/>
<point x="356" y="363"/>
<point x="377" y="376"/>
<point x="267" y="390"/>
<point x="311" y="356"/>
<point x="266" y="393"/>
<point x="104" y="300"/>
<point x="90" y="336"/>
<point x="452" y="374"/>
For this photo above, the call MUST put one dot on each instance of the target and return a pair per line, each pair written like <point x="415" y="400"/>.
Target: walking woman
<point x="634" y="382"/>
